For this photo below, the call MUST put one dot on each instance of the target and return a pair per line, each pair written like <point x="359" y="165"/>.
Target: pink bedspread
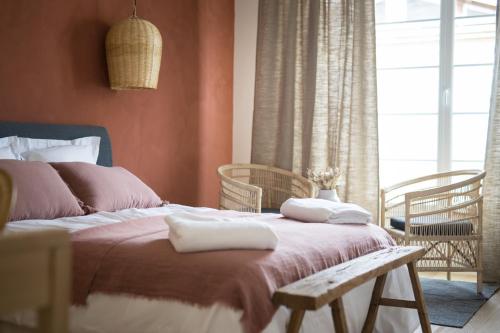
<point x="136" y="258"/>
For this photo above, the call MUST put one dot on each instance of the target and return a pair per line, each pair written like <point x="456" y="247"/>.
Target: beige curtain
<point x="491" y="223"/>
<point x="315" y="97"/>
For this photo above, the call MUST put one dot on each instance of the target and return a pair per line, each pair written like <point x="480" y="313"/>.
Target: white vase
<point x="329" y="195"/>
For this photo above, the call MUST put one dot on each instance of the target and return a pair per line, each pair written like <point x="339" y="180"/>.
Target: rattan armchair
<point x="256" y="188"/>
<point x="442" y="213"/>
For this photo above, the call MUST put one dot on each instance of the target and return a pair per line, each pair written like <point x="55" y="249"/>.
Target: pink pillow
<point x="41" y="193"/>
<point x="106" y="189"/>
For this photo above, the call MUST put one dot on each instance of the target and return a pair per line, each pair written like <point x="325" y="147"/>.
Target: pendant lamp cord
<point x="134" y="6"/>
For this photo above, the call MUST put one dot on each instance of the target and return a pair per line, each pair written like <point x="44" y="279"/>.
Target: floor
<point x="486" y="320"/>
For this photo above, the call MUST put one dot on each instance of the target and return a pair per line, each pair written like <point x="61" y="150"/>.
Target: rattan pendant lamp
<point x="133" y="53"/>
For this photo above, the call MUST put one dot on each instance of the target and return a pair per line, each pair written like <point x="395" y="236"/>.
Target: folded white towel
<point x="195" y="232"/>
<point x="320" y="210"/>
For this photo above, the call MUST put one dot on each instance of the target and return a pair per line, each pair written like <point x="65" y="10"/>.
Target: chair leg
<point x="448" y="261"/>
<point x="479" y="282"/>
<point x="479" y="266"/>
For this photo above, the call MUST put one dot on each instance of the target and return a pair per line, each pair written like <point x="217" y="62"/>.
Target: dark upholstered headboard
<point x="61" y="132"/>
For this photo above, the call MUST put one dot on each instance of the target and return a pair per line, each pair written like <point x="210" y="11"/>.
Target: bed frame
<point x="61" y="132"/>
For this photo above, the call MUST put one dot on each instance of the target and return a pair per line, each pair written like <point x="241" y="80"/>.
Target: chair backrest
<point x="277" y="184"/>
<point x="440" y="198"/>
<point x="395" y="194"/>
<point x="7" y="197"/>
<point x="453" y="201"/>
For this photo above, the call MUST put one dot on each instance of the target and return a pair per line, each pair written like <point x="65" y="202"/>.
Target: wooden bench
<point x="328" y="287"/>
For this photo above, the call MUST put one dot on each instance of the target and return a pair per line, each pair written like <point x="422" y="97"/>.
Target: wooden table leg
<point x="371" y="316"/>
<point x="338" y="314"/>
<point x="419" y="298"/>
<point x="295" y="321"/>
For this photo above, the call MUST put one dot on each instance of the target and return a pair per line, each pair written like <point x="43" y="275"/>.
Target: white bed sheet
<point x="131" y="314"/>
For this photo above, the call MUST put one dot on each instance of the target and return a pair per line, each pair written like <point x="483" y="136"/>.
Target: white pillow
<point x="62" y="154"/>
<point x="6" y="153"/>
<point x="7" y="141"/>
<point x="24" y="145"/>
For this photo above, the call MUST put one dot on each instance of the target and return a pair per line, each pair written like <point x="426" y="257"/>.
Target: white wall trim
<point x="245" y="45"/>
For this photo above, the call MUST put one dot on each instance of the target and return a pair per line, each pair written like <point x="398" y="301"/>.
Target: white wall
<point x="245" y="42"/>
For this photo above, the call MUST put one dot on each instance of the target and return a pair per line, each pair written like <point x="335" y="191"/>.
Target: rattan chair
<point x="260" y="188"/>
<point x="442" y="213"/>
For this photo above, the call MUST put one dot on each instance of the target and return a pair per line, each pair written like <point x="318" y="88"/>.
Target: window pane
<point x="478" y="165"/>
<point x="472" y="88"/>
<point x="474" y="40"/>
<point x="392" y="172"/>
<point x="469" y="137"/>
<point x="473" y="56"/>
<point x="406" y="10"/>
<point x="408" y="90"/>
<point x="408" y="137"/>
<point x="408" y="44"/>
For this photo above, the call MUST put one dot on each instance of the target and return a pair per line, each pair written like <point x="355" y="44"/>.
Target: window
<point x="434" y="71"/>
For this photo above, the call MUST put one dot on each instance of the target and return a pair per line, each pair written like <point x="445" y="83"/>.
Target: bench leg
<point x="479" y="282"/>
<point x="378" y="289"/>
<point x="338" y="314"/>
<point x="295" y="321"/>
<point x="419" y="298"/>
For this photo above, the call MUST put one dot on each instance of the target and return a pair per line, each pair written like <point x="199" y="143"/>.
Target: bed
<point x="129" y="312"/>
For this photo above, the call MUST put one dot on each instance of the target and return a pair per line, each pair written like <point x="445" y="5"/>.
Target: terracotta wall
<point x="53" y="69"/>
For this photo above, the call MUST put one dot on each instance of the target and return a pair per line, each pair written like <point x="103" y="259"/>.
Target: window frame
<point x="445" y="109"/>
